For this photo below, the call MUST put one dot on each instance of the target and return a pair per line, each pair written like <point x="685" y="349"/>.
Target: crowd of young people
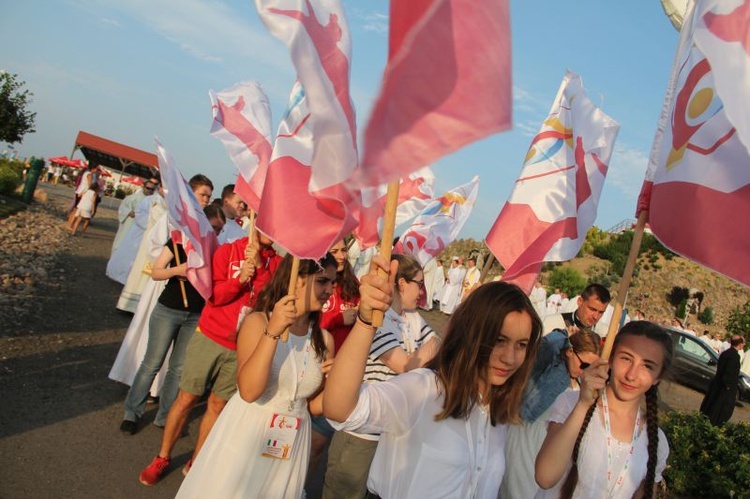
<point x="494" y="406"/>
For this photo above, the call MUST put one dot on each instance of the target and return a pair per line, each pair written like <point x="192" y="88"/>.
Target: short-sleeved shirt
<point x="592" y="455"/>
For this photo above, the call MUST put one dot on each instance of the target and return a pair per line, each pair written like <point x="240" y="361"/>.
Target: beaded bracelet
<point x="266" y="333"/>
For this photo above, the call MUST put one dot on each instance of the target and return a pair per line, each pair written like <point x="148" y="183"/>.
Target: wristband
<point x="360" y="319"/>
<point x="273" y="337"/>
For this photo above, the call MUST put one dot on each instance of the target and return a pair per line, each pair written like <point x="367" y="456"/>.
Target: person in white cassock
<point x="231" y="206"/>
<point x="471" y="280"/>
<point x="121" y="261"/>
<point x="554" y="303"/>
<point x="452" y="291"/>
<point x="539" y="299"/>
<point x="430" y="269"/>
<point x="126" y="211"/>
<point x="438" y="283"/>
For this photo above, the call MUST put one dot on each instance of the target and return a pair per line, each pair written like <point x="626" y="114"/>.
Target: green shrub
<point x="681" y="310"/>
<point x="567" y="279"/>
<point x="678" y="295"/>
<point x="705" y="460"/>
<point x="9" y="180"/>
<point x="120" y="193"/>
<point x="706" y="316"/>
<point x="739" y="320"/>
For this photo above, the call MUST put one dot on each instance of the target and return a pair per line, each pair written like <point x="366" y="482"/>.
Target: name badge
<point x="280" y="436"/>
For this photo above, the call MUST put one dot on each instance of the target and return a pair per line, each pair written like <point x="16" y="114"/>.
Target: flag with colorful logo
<point x="242" y="122"/>
<point x="555" y="199"/>
<point x="439" y="223"/>
<point x="188" y="224"/>
<point x="415" y="192"/>
<point x="447" y="84"/>
<point x="318" y="147"/>
<point x="697" y="187"/>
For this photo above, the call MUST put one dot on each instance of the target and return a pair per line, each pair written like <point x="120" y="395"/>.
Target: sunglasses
<point x="584" y="365"/>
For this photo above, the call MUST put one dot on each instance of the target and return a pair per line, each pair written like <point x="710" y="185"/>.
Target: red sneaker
<point x="154" y="471"/>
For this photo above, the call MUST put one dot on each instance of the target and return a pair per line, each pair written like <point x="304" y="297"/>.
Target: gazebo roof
<point x="116" y="156"/>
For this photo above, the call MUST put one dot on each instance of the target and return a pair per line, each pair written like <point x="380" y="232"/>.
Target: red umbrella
<point x="133" y="180"/>
<point x="65" y="161"/>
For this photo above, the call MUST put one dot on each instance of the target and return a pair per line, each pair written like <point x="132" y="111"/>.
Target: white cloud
<point x="373" y="21"/>
<point x="627" y="169"/>
<point x="525" y="101"/>
<point x="110" y="22"/>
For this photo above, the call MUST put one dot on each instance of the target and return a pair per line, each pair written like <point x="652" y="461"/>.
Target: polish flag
<point x="439" y="223"/>
<point x="697" y="187"/>
<point x="188" y="224"/>
<point x="310" y="208"/>
<point x="242" y="122"/>
<point x="415" y="192"/>
<point x="555" y="199"/>
<point x="447" y="84"/>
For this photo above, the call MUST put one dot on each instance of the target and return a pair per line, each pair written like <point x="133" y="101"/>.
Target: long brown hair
<point x="656" y="333"/>
<point x="347" y="282"/>
<point x="463" y="359"/>
<point x="278" y="287"/>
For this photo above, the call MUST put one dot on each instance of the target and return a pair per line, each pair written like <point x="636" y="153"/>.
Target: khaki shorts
<point x="207" y="362"/>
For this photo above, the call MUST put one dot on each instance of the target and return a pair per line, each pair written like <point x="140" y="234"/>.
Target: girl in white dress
<point x="260" y="444"/>
<point x="443" y="426"/>
<point x="621" y="453"/>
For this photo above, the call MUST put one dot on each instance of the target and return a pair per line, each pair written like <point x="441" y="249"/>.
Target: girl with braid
<point x="599" y="436"/>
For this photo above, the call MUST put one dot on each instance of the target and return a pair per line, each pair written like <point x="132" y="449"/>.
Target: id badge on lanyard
<point x="280" y="436"/>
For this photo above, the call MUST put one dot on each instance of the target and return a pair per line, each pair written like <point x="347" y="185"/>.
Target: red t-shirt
<point x="332" y="318"/>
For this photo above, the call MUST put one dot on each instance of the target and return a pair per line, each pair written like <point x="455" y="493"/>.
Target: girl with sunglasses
<point x="560" y="361"/>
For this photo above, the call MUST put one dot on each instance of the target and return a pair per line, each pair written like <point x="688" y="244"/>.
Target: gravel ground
<point x="59" y="334"/>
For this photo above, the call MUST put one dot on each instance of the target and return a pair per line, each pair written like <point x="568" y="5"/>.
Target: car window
<point x="693" y="348"/>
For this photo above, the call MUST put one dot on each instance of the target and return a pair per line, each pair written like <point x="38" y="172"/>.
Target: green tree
<point x="568" y="280"/>
<point x="15" y="118"/>
<point x="739" y="321"/>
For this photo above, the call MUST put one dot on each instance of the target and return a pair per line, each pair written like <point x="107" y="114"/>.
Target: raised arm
<point x="256" y="345"/>
<point x="342" y="388"/>
<point x="557" y="450"/>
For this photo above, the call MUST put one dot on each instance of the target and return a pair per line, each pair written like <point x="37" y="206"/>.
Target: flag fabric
<point x="188" y="224"/>
<point x="242" y="122"/>
<point x="447" y="83"/>
<point x="697" y="186"/>
<point x="554" y="201"/>
<point x="316" y="153"/>
<point x="414" y="193"/>
<point x="305" y="225"/>
<point x="439" y="223"/>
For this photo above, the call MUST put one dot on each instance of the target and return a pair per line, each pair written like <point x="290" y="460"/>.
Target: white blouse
<point x="418" y="457"/>
<point x="592" y="456"/>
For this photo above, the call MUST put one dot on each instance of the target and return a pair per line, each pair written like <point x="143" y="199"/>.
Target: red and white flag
<point x="415" y="192"/>
<point x="188" y="224"/>
<point x="697" y="187"/>
<point x="242" y="122"/>
<point x="304" y="224"/>
<point x="318" y="147"/>
<point x="555" y="199"/>
<point x="447" y="84"/>
<point x="439" y="223"/>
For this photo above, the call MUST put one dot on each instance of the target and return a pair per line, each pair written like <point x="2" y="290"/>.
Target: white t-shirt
<point x="592" y="456"/>
<point x="420" y="458"/>
<point x="84" y="185"/>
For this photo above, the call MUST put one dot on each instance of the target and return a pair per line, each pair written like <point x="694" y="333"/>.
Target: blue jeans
<point x="166" y="327"/>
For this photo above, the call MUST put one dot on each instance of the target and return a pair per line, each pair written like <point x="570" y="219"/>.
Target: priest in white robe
<point x="452" y="290"/>
<point x="126" y="211"/>
<point x="121" y="261"/>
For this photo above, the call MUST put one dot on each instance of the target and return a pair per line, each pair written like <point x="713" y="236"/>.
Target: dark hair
<point x="658" y="334"/>
<point x="601" y="293"/>
<point x="347" y="281"/>
<point x="227" y="191"/>
<point x="213" y="211"/>
<point x="199" y="180"/>
<point x="278" y="287"/>
<point x="736" y="340"/>
<point x="408" y="267"/>
<point x="464" y="357"/>
<point x="585" y="341"/>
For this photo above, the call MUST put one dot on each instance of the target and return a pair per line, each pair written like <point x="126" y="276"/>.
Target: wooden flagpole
<point x="622" y="289"/>
<point x="486" y="268"/>
<point x="182" y="283"/>
<point x="251" y="227"/>
<point x="292" y="288"/>
<point x="386" y="243"/>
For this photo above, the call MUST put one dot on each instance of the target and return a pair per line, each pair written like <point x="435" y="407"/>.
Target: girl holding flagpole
<point x="620" y="450"/>
<point x="260" y="444"/>
<point x="443" y="426"/>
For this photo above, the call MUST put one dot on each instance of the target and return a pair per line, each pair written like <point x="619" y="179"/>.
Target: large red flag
<point x="697" y="187"/>
<point x="447" y="84"/>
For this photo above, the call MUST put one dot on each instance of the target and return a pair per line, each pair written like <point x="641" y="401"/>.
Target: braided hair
<point x="655" y="333"/>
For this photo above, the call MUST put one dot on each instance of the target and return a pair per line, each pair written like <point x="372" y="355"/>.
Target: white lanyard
<point x="305" y="360"/>
<point x="612" y="484"/>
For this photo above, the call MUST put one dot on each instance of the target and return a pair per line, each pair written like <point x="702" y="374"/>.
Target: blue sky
<point x="132" y="69"/>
